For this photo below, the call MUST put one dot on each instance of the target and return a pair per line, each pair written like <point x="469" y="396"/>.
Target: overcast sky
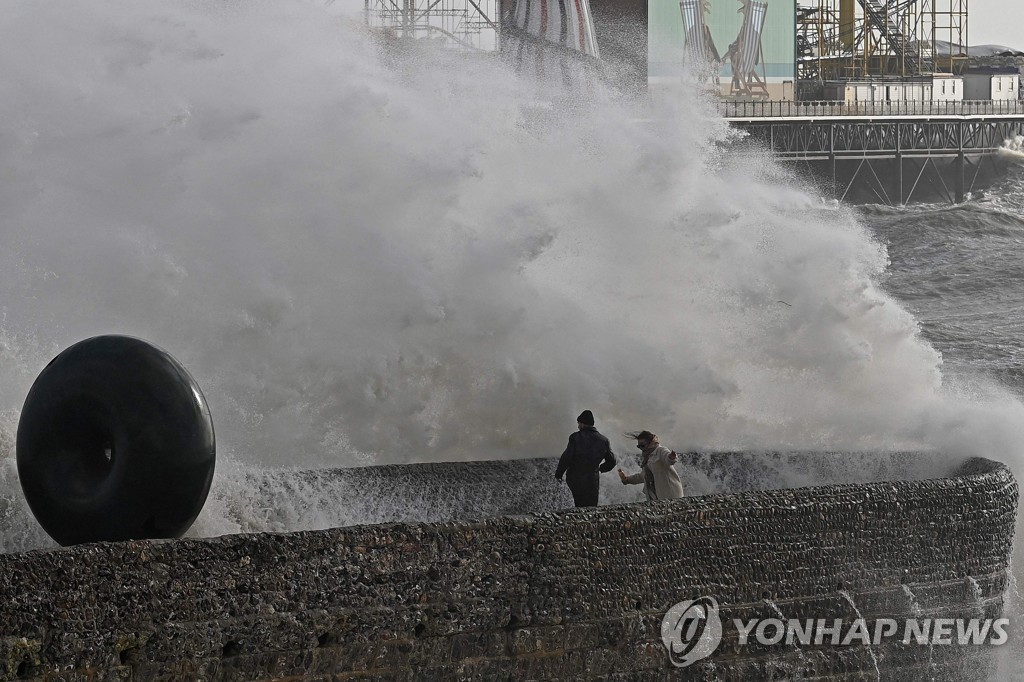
<point x="996" y="22"/>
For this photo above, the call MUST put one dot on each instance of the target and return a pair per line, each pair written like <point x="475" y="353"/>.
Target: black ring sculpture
<point x="115" y="442"/>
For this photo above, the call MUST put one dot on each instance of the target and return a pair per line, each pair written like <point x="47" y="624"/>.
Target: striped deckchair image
<point x="700" y="46"/>
<point x="545" y="36"/>
<point x="567" y="23"/>
<point x="746" y="53"/>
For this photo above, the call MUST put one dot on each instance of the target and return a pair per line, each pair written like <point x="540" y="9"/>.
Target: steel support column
<point x="959" y="168"/>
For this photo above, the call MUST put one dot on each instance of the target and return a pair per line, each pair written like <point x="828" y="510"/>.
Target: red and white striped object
<point x="567" y="23"/>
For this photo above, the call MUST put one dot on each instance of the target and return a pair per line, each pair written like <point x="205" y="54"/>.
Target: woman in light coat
<point x="657" y="469"/>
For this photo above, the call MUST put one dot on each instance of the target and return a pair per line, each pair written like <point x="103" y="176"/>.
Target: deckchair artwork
<point x="700" y="46"/>
<point x="747" y="53"/>
<point x="548" y="34"/>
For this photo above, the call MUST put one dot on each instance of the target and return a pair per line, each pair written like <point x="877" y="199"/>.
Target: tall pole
<point x="934" y="43"/>
<point x="964" y="37"/>
<point x="847" y="24"/>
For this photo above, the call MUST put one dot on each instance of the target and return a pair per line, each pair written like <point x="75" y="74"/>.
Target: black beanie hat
<point x="586" y="418"/>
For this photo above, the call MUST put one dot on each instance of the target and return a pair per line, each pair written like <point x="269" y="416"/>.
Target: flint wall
<point x="573" y="594"/>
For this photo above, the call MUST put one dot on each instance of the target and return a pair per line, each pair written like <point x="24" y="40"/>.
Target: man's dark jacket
<point x="587" y="453"/>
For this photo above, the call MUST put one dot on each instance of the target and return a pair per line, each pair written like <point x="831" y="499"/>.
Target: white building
<point x="947" y="88"/>
<point x="994" y="86"/>
<point x="939" y="87"/>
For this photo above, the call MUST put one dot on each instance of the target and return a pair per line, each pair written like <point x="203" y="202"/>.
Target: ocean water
<point x="369" y="258"/>
<point x="960" y="271"/>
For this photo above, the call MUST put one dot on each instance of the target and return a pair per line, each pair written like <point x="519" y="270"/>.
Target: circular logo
<point x="691" y="630"/>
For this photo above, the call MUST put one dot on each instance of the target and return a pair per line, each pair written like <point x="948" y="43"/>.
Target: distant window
<point x="943" y="87"/>
<point x="999" y="85"/>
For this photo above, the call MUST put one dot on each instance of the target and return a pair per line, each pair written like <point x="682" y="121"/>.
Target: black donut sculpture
<point x="115" y="442"/>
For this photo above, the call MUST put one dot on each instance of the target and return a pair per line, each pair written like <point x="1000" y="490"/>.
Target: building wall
<point x="1007" y="87"/>
<point x="978" y="86"/>
<point x="947" y="88"/>
<point x="778" y="91"/>
<point x="576" y="594"/>
<point x="986" y="86"/>
<point x="939" y="89"/>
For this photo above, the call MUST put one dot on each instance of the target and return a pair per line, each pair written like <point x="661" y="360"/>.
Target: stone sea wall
<point x="555" y="595"/>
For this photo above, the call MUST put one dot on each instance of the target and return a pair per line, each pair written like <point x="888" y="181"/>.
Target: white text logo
<point x="691" y="630"/>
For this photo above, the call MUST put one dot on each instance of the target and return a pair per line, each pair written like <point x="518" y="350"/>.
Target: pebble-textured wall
<point x="555" y="595"/>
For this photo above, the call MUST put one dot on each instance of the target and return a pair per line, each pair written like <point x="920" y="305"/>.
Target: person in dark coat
<point x="587" y="453"/>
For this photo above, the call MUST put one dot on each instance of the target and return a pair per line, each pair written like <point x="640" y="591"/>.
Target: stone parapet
<point x="570" y="594"/>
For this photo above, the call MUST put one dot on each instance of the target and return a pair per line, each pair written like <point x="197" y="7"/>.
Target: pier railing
<point x="782" y="109"/>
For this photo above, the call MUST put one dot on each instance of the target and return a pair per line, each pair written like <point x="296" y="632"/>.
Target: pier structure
<point x="464" y="25"/>
<point x="876" y="100"/>
<point x="851" y="39"/>
<point x="889" y="153"/>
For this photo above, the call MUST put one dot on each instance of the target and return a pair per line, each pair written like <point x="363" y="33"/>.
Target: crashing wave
<point x="1013" y="149"/>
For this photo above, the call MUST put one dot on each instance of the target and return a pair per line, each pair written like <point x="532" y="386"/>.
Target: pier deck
<point x="884" y="153"/>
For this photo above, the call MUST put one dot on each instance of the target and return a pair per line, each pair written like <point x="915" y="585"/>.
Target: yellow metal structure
<point x="854" y="39"/>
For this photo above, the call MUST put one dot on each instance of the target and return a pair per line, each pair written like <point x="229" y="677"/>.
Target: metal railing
<point x="778" y="109"/>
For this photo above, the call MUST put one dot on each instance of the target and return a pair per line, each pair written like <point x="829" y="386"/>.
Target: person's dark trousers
<point x="585" y="498"/>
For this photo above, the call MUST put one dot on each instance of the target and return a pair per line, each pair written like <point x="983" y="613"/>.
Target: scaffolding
<point x="858" y="39"/>
<point x="455" y="24"/>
